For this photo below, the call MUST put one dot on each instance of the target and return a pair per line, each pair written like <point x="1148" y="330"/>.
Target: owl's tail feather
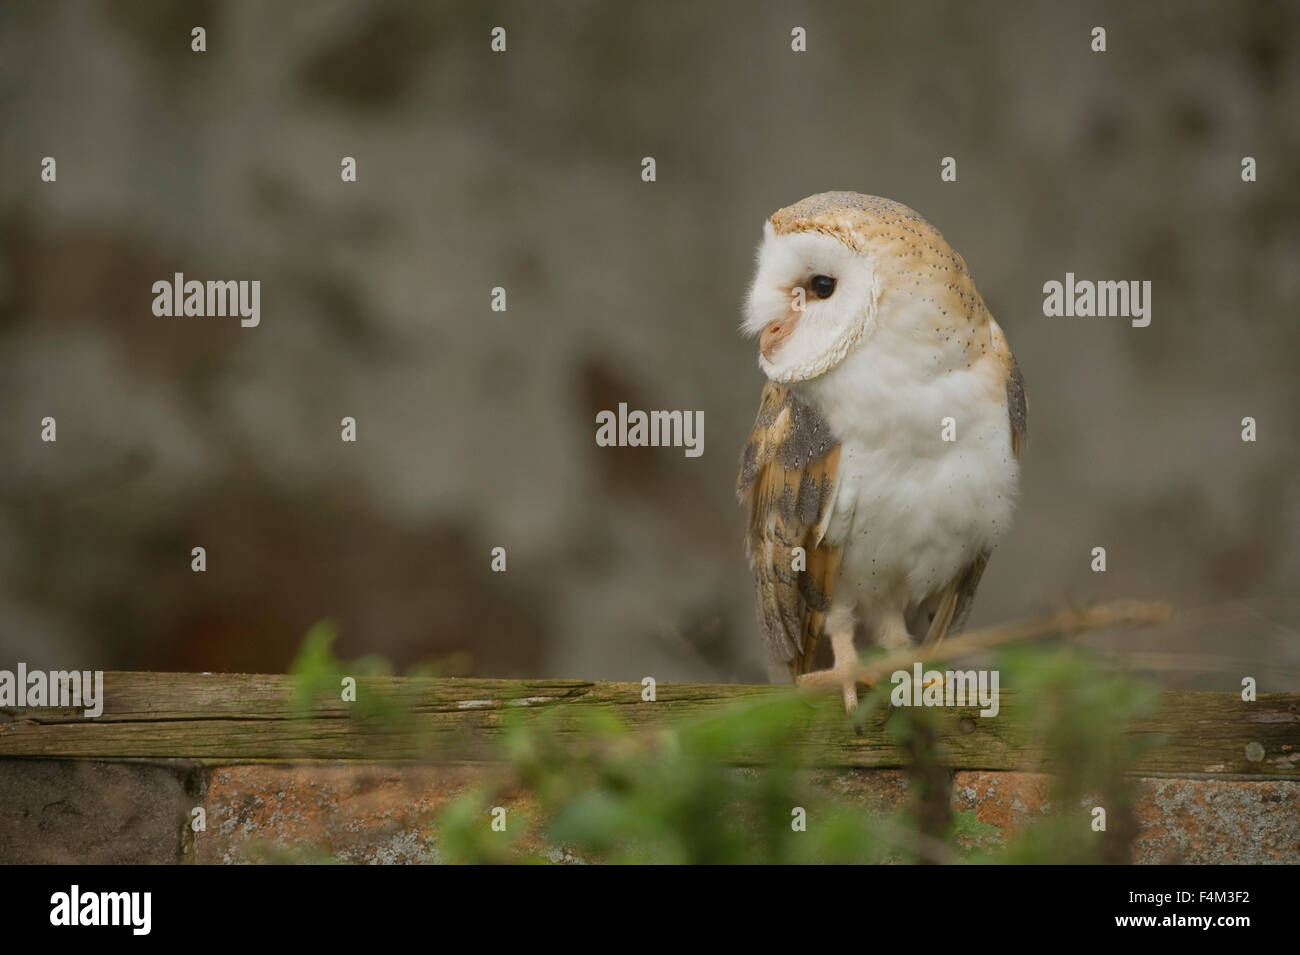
<point x="955" y="602"/>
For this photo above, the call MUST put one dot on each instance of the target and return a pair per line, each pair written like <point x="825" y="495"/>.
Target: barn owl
<point x="884" y="462"/>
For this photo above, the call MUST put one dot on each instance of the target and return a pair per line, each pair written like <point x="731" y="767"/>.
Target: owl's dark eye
<point x="823" y="286"/>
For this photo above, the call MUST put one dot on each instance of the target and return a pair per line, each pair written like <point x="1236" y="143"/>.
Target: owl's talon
<point x="850" y="696"/>
<point x="848" y="686"/>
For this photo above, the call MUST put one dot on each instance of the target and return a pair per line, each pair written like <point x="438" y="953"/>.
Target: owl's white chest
<point x="927" y="478"/>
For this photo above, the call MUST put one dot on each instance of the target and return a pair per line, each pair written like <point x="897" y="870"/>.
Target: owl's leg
<point x="890" y="630"/>
<point x="891" y="633"/>
<point x="839" y="627"/>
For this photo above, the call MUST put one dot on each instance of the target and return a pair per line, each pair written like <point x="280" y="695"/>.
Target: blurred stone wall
<point x="88" y="812"/>
<point x="522" y="170"/>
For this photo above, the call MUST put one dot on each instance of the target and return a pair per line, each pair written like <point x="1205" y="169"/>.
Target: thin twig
<point x="1118" y="613"/>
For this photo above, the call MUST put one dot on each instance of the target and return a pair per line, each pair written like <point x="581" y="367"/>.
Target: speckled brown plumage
<point x="787" y="479"/>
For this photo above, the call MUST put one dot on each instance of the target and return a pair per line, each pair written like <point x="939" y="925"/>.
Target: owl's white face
<point x="839" y="291"/>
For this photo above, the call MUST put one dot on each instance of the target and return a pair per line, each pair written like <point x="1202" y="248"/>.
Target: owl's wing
<point x="787" y="477"/>
<point x="956" y="598"/>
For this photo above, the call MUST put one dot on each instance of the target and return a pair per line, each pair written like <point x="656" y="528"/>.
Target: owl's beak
<point x="775" y="333"/>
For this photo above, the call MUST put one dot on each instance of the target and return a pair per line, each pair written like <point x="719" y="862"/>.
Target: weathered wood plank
<point x="248" y="717"/>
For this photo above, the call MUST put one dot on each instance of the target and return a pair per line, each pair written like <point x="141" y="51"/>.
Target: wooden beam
<point x="252" y="717"/>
